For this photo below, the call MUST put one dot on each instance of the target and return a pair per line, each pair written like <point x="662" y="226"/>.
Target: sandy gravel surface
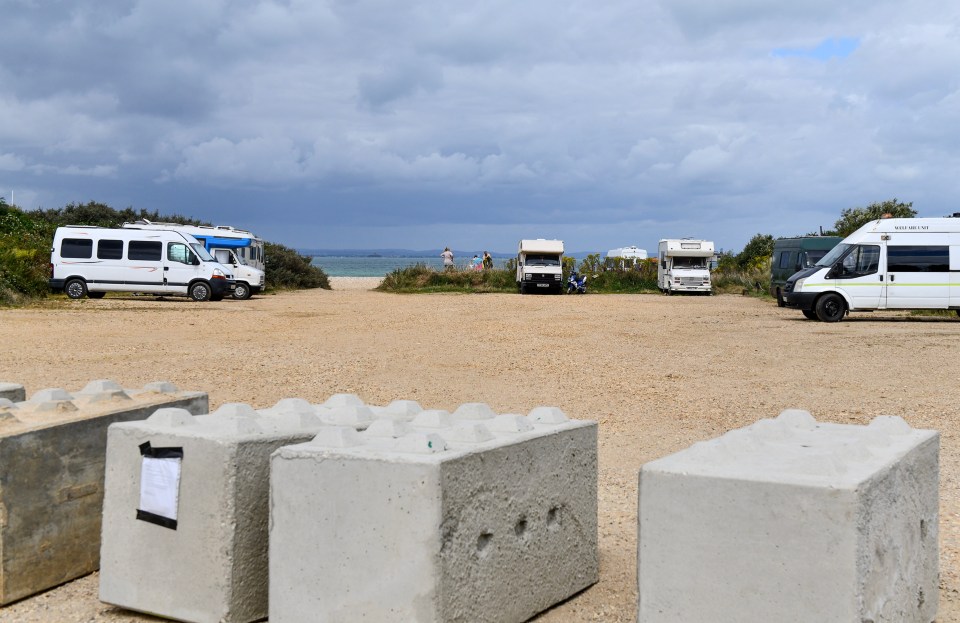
<point x="658" y="373"/>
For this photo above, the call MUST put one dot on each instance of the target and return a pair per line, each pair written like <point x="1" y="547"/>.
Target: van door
<point x="918" y="276"/>
<point x="145" y="263"/>
<point x="180" y="268"/>
<point x="860" y="276"/>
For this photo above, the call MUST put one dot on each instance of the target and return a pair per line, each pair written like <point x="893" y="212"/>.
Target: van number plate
<point x="543" y="285"/>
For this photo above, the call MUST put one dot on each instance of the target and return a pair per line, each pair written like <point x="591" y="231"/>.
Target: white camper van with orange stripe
<point x="892" y="263"/>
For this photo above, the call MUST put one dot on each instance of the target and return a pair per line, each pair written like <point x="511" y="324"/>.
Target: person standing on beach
<point x="447" y="256"/>
<point x="487" y="260"/>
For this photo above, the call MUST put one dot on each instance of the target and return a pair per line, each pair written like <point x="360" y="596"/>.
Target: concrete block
<point x="791" y="519"/>
<point x="448" y="517"/>
<point x="52" y="451"/>
<point x="211" y="565"/>
<point x="12" y="392"/>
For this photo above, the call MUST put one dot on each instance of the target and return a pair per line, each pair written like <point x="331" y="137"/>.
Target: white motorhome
<point x="241" y="250"/>
<point x="683" y="265"/>
<point x="540" y="266"/>
<point x="893" y="263"/>
<point x="91" y="261"/>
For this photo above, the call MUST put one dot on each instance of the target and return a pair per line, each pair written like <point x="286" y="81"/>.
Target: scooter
<point x="576" y="284"/>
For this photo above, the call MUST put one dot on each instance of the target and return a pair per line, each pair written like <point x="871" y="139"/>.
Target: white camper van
<point x="683" y="265"/>
<point x="540" y="266"/>
<point x="893" y="263"/>
<point x="238" y="249"/>
<point x="91" y="261"/>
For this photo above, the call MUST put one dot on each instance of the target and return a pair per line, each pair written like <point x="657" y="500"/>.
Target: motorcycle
<point x="577" y="284"/>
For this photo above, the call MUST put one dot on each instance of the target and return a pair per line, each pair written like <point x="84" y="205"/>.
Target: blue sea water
<point x="380" y="266"/>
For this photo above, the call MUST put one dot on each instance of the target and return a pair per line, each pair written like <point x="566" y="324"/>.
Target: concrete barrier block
<point x="208" y="564"/>
<point x="790" y="519"/>
<point x="12" y="392"/>
<point x="466" y="518"/>
<point x="52" y="451"/>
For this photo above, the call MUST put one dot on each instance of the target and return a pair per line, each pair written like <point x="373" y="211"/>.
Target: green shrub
<point x="24" y="255"/>
<point x="422" y="278"/>
<point x="753" y="280"/>
<point x="285" y="268"/>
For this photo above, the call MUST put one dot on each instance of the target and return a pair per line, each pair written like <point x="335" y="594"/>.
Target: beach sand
<point x="658" y="374"/>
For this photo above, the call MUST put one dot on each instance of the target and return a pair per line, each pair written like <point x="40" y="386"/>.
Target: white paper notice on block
<point x="160" y="485"/>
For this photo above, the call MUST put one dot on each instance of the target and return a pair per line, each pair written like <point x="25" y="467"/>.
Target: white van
<point x="683" y="265"/>
<point x="540" y="266"/>
<point x="893" y="263"/>
<point x="92" y="261"/>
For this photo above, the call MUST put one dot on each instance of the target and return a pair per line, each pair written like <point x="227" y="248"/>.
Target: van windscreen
<point x="201" y="252"/>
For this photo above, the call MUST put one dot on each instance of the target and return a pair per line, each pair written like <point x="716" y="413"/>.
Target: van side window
<point x="79" y="248"/>
<point x="918" y="259"/>
<point x="110" y="249"/>
<point x="178" y="252"/>
<point x="784" y="259"/>
<point x="862" y="260"/>
<point x="145" y="250"/>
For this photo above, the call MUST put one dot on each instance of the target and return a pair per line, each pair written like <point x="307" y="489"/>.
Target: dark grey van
<point x="793" y="254"/>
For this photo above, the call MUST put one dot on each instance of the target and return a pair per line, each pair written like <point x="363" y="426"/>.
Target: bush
<point x="24" y="255"/>
<point x="422" y="278"/>
<point x="285" y="268"/>
<point x="754" y="280"/>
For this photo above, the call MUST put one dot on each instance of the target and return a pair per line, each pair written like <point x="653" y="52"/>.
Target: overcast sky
<point x="426" y="123"/>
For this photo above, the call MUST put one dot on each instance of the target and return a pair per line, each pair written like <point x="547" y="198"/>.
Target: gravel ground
<point x="658" y="373"/>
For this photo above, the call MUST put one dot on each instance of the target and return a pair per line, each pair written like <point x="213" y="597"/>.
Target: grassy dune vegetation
<point x="604" y="276"/>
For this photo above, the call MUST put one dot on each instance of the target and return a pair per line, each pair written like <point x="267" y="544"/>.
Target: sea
<point x="380" y="266"/>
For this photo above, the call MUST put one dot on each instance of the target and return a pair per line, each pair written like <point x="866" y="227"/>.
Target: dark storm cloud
<point x="615" y="122"/>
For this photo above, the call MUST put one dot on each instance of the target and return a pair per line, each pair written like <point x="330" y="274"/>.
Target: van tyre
<point x="242" y="292"/>
<point x="831" y="308"/>
<point x="780" y="302"/>
<point x="810" y="314"/>
<point x="200" y="291"/>
<point x="76" y="288"/>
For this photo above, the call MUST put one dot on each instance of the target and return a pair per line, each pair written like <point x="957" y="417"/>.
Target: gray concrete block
<point x="447" y="517"/>
<point x="212" y="567"/>
<point x="790" y="519"/>
<point x="52" y="452"/>
<point x="12" y="392"/>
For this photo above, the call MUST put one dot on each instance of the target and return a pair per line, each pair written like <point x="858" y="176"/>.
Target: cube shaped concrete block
<point x="792" y="520"/>
<point x="12" y="392"/>
<point x="444" y="518"/>
<point x="212" y="566"/>
<point x="52" y="452"/>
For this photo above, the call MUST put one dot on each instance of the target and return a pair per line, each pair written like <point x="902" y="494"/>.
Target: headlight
<point x="217" y="273"/>
<point x="557" y="277"/>
<point x="527" y="276"/>
<point x="798" y="284"/>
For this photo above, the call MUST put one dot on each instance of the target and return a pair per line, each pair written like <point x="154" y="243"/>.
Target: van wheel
<point x="810" y="314"/>
<point x="200" y="291"/>
<point x="96" y="295"/>
<point x="242" y="292"/>
<point x="76" y="288"/>
<point x="830" y="308"/>
<point x="780" y="302"/>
